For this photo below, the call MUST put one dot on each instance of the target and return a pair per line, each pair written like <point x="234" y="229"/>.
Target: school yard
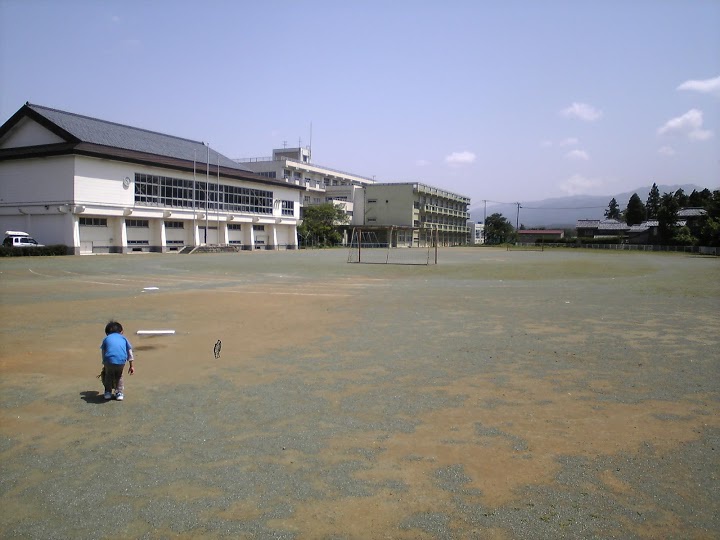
<point x="501" y="395"/>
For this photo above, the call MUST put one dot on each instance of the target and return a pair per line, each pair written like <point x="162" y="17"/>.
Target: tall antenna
<point x="311" y="137"/>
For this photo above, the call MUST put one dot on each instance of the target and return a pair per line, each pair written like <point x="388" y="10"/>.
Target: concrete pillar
<point x="273" y="236"/>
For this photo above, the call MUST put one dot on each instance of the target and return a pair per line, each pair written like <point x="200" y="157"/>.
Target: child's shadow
<point x="93" y="396"/>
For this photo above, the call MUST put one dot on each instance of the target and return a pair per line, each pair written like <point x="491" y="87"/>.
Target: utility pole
<point x="484" y="219"/>
<point x="517" y="218"/>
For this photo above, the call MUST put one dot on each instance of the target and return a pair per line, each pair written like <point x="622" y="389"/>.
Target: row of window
<point x="416" y="204"/>
<point x="153" y="190"/>
<point x="145" y="224"/>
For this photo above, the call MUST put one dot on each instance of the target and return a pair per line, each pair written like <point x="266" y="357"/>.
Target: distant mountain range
<point x="563" y="212"/>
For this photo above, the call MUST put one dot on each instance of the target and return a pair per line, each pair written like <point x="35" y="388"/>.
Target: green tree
<point x="613" y="210"/>
<point x="320" y="224"/>
<point x="681" y="198"/>
<point x="497" y="229"/>
<point x="635" y="211"/>
<point x="667" y="218"/>
<point x="653" y="203"/>
<point x="699" y="199"/>
<point x="709" y="225"/>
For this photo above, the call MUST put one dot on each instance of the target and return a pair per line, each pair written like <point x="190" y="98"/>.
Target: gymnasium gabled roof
<point x="82" y="135"/>
<point x="77" y="128"/>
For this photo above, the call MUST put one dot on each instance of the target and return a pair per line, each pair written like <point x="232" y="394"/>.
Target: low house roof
<point x="587" y="223"/>
<point x="691" y="212"/>
<point x="601" y="225"/>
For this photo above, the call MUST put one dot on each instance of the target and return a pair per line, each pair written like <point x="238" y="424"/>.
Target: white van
<point x="19" y="239"/>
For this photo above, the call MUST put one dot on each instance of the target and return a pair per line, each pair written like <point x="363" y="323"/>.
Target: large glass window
<point x="93" y="222"/>
<point x="137" y="223"/>
<point x="288" y="208"/>
<point x="152" y="190"/>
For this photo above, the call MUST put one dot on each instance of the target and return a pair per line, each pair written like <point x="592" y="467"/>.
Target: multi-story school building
<point x="98" y="186"/>
<point x="418" y="206"/>
<point x="323" y="184"/>
<point x="102" y="187"/>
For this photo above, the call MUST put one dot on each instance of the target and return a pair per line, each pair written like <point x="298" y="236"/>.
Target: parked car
<point x="19" y="239"/>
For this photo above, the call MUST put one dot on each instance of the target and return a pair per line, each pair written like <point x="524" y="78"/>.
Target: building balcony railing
<point x="304" y="165"/>
<point x="433" y="209"/>
<point x="443" y="227"/>
<point x="429" y="190"/>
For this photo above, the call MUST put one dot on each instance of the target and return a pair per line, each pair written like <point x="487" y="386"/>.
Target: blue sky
<point x="498" y="100"/>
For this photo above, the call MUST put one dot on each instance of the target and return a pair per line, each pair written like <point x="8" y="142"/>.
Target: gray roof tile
<point x="101" y="132"/>
<point x="691" y="212"/>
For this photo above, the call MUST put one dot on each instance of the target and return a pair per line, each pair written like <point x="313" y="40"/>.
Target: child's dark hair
<point x="113" y="327"/>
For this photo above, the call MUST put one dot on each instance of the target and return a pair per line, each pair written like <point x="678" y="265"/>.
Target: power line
<point x="567" y="208"/>
<point x="546" y="207"/>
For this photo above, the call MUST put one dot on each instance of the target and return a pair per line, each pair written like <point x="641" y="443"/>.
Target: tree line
<point x="321" y="223"/>
<point x="701" y="231"/>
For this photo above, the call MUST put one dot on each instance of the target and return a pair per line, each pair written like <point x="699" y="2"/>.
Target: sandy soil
<point x="496" y="395"/>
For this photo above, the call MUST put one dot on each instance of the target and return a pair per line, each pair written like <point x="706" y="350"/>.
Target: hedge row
<point x="582" y="241"/>
<point x="57" y="249"/>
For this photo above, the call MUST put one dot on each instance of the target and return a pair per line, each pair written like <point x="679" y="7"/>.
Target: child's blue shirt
<point x="115" y="349"/>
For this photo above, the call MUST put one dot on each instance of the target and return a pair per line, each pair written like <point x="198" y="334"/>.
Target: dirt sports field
<point x="499" y="395"/>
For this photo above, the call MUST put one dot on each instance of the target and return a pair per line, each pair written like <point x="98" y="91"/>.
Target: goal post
<point x="393" y="245"/>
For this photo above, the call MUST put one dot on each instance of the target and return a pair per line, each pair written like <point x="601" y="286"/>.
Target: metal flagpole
<point x="207" y="187"/>
<point x="193" y="199"/>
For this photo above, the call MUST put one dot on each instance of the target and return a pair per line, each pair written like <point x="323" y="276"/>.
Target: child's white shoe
<point x="119" y="396"/>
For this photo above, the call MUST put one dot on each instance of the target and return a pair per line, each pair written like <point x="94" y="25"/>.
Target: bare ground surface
<point x="556" y="394"/>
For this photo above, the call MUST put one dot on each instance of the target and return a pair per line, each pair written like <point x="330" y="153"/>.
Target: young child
<point x="116" y="350"/>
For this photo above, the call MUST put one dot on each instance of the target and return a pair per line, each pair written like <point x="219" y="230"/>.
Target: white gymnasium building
<point x="102" y="187"/>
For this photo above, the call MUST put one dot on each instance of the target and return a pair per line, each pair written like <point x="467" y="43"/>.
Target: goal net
<point x="393" y="245"/>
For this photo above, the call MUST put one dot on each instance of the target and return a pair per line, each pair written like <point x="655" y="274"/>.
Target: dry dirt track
<point x="561" y="394"/>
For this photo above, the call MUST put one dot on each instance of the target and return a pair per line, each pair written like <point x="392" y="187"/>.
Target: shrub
<point x="54" y="250"/>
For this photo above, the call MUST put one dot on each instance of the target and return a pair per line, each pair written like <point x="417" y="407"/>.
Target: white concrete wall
<point x="36" y="181"/>
<point x="46" y="196"/>
<point x="398" y="210"/>
<point x="100" y="181"/>
<point x="101" y="236"/>
<point x="28" y="133"/>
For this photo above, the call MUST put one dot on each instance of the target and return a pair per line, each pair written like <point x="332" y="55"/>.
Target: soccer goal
<point x="393" y="245"/>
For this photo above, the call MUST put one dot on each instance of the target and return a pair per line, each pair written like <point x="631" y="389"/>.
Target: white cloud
<point x="707" y="86"/>
<point x="582" y="111"/>
<point x="460" y="158"/>
<point x="578" y="184"/>
<point x="700" y="134"/>
<point x="422" y="163"/>
<point x="666" y="151"/>
<point x="690" y="124"/>
<point x="578" y="154"/>
<point x="570" y="141"/>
